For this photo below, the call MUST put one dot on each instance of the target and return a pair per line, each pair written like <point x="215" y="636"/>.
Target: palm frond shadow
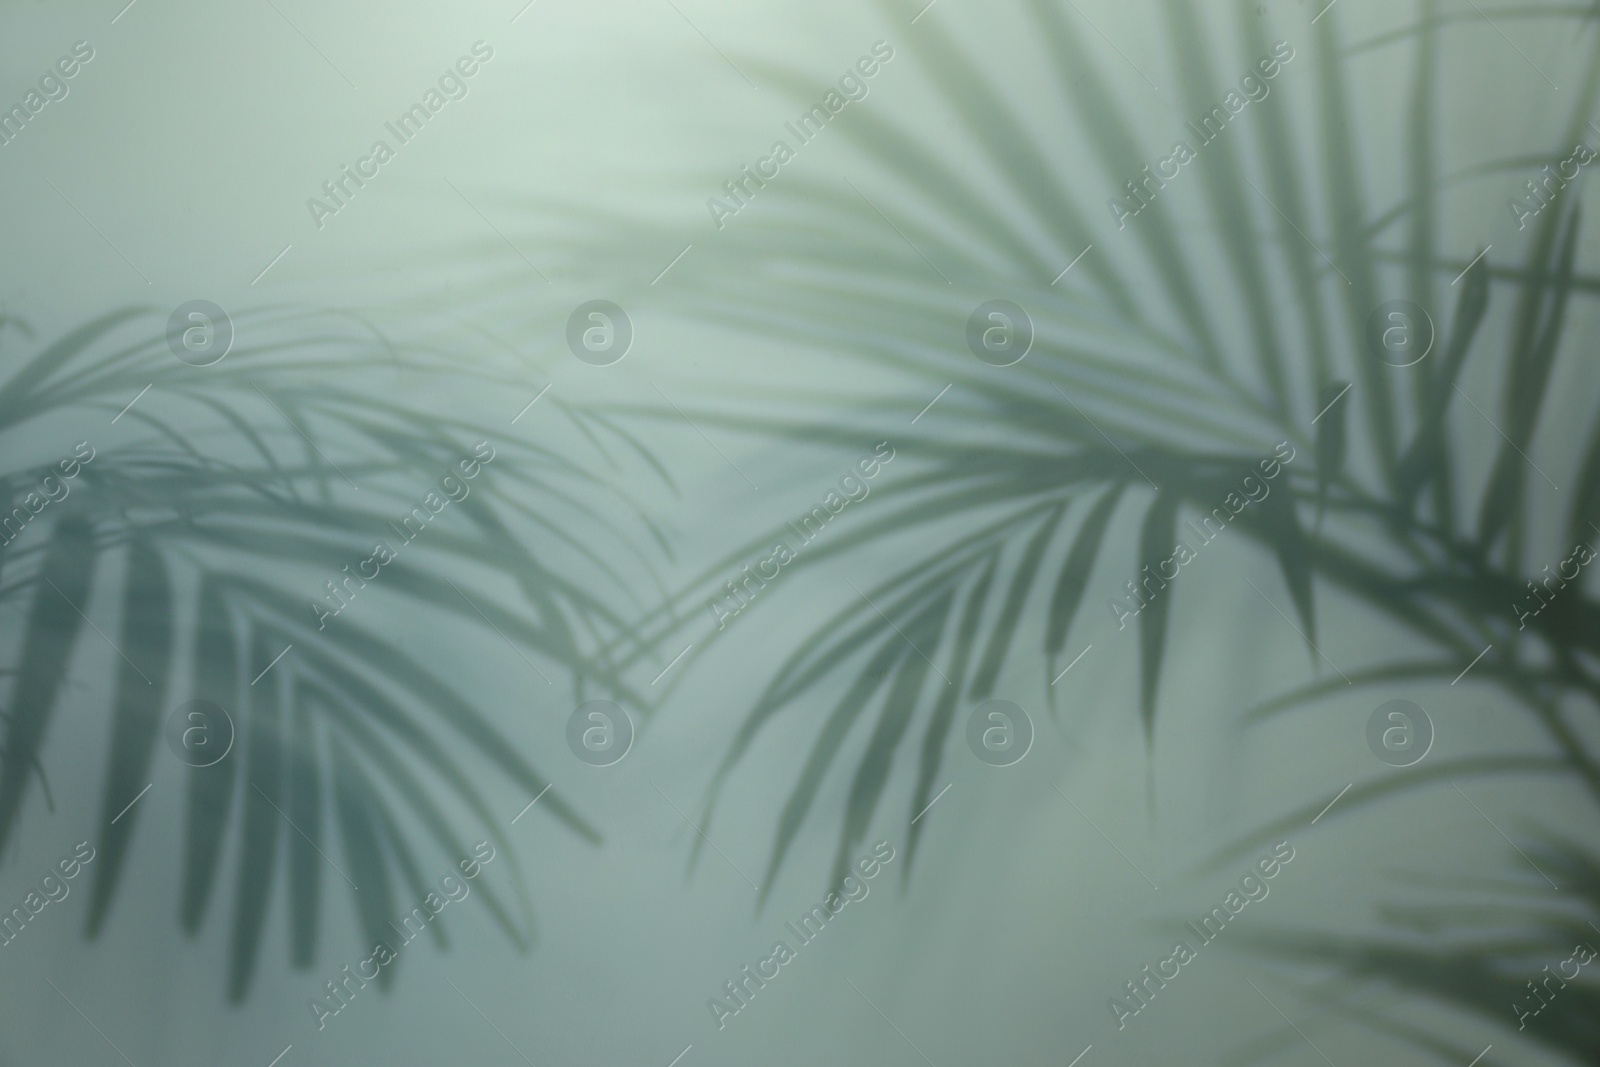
<point x="1150" y="398"/>
<point x="221" y="519"/>
<point x="1495" y="954"/>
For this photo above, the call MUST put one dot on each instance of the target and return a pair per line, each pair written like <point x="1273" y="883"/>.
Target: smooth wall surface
<point x="1013" y="487"/>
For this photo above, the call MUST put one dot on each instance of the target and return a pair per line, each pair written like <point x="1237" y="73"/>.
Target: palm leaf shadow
<point x="1176" y="403"/>
<point x="213" y="518"/>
